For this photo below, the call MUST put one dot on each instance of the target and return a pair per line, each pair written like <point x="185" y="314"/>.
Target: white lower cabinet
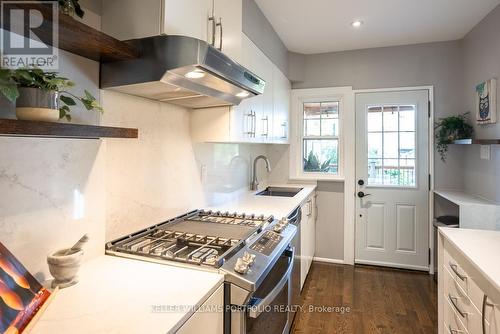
<point x="307" y="236"/>
<point x="209" y="319"/>
<point x="461" y="296"/>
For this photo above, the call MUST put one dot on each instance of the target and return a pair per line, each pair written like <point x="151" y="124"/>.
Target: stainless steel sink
<point x="279" y="191"/>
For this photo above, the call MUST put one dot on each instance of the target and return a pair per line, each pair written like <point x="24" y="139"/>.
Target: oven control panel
<point x="267" y="242"/>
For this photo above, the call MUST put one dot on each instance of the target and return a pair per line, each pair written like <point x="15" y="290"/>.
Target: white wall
<point x="52" y="191"/>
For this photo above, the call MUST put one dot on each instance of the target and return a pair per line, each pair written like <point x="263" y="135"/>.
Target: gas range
<point x="202" y="238"/>
<point x="256" y="255"/>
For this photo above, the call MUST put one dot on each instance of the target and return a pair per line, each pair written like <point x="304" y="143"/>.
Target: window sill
<point x="318" y="178"/>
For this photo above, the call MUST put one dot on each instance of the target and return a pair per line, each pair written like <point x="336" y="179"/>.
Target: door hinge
<point x="429" y="257"/>
<point x="430" y="182"/>
<point x="429" y="108"/>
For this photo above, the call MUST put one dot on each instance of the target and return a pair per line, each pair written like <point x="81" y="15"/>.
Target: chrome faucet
<point x="255" y="183"/>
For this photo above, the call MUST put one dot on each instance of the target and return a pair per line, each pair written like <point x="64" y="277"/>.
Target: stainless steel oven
<point x="269" y="306"/>
<point x="260" y="299"/>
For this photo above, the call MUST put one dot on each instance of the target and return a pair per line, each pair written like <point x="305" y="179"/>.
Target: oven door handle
<point x="257" y="308"/>
<point x="295" y="215"/>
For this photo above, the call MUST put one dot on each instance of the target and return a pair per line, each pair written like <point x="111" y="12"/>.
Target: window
<point x="318" y="117"/>
<point x="320" y="137"/>
<point x="391" y="145"/>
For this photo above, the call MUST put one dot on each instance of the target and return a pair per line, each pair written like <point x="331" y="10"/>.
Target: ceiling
<point x="317" y="26"/>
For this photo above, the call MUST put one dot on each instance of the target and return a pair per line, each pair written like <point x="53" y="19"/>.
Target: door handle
<point x="362" y="194"/>
<point x="211" y="20"/>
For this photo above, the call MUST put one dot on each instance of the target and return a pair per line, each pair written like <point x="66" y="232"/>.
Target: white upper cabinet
<point x="228" y="27"/>
<point x="208" y="20"/>
<point x="259" y="119"/>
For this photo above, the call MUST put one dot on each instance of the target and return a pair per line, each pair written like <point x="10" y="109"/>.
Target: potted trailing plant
<point x="71" y="8"/>
<point x="42" y="96"/>
<point x="449" y="129"/>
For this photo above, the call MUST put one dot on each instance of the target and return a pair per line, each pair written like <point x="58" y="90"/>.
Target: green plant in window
<point x="312" y="164"/>
<point x="449" y="129"/>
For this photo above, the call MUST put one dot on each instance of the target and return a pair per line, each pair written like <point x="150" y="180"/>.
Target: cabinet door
<point x="210" y="320"/>
<point x="186" y="17"/>
<point x="304" y="244"/>
<point x="281" y="111"/>
<point x="129" y="19"/>
<point x="229" y="14"/>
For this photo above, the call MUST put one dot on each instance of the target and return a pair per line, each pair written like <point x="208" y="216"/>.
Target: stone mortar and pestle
<point x="64" y="264"/>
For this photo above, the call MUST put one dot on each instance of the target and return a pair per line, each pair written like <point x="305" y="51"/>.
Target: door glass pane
<point x="406" y="145"/>
<point x="391" y="145"/>
<point x="374" y="171"/>
<point x="320" y="155"/>
<point x="375" y="145"/>
<point x="407" y="118"/>
<point x="374" y="119"/>
<point x="390" y="118"/>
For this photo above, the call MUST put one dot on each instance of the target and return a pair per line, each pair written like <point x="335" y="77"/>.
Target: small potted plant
<point x="42" y="96"/>
<point x="449" y="129"/>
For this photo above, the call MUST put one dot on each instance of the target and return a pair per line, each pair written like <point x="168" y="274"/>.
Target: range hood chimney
<point x="181" y="70"/>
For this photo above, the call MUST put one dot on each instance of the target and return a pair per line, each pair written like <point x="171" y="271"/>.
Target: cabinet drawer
<point x="464" y="280"/>
<point x="457" y="299"/>
<point x="452" y="323"/>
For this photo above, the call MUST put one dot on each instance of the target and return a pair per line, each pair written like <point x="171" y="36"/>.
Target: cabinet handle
<point x="265" y="123"/>
<point x="254" y="130"/>
<point x="454" y="331"/>
<point x="454" y="267"/>
<point x="483" y="319"/>
<point x="219" y="24"/>
<point x="284" y="130"/>
<point x="211" y="20"/>
<point x="249" y="124"/>
<point x="453" y="301"/>
<point x="309" y="209"/>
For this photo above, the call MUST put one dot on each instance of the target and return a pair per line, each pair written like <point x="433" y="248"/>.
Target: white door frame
<point x="349" y="225"/>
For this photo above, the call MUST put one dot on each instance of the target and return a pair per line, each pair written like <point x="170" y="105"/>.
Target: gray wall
<point x="438" y="64"/>
<point x="259" y="30"/>
<point x="481" y="62"/>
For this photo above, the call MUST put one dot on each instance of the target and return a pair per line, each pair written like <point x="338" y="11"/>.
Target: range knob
<point x="278" y="228"/>
<point x="249" y="258"/>
<point x="241" y="266"/>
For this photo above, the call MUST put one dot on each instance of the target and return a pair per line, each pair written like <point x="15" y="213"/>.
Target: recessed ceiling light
<point x="243" y="93"/>
<point x="357" y="23"/>
<point x="196" y="74"/>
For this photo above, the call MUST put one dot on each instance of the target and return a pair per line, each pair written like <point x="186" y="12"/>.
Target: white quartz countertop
<point x="119" y="296"/>
<point x="247" y="202"/>
<point x="480" y="247"/>
<point x="462" y="198"/>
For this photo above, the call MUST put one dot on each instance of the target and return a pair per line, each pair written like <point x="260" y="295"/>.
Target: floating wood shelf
<point x="81" y="39"/>
<point x="477" y="142"/>
<point x="16" y="128"/>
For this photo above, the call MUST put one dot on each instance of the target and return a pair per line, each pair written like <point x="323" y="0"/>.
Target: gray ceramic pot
<point x="34" y="104"/>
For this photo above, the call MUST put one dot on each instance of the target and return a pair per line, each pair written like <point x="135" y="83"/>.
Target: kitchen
<point x="204" y="211"/>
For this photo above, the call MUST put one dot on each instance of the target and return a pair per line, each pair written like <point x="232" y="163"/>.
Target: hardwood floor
<point x="381" y="301"/>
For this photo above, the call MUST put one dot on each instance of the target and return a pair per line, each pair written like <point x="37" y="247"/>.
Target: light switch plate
<point x="485" y="152"/>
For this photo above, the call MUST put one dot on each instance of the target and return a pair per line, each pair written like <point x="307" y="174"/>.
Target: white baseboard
<point x="327" y="260"/>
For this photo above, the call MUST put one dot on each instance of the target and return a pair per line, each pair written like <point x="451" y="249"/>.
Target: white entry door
<point x="392" y="179"/>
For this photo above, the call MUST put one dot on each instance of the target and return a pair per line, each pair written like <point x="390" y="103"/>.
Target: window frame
<point x="299" y="97"/>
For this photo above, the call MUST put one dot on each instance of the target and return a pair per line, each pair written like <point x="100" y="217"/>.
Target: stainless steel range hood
<point x="181" y="70"/>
